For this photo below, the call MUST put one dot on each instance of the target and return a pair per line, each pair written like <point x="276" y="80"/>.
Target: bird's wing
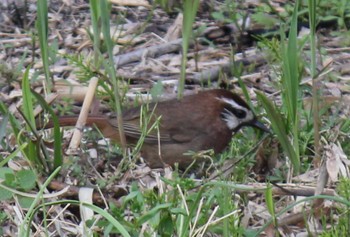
<point x="174" y="132"/>
<point x="151" y="136"/>
<point x="133" y="130"/>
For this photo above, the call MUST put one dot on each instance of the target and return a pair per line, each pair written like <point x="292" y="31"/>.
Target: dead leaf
<point x="336" y="162"/>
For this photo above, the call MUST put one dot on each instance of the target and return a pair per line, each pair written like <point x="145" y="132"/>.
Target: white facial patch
<point x="230" y="118"/>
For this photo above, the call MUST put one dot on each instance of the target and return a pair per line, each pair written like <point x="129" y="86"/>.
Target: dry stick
<point x="282" y="189"/>
<point x="71" y="191"/>
<point x="131" y="3"/>
<point x="321" y="184"/>
<point x="64" y="89"/>
<point x="175" y="46"/>
<point x="212" y="74"/>
<point x="306" y="191"/>
<point x="76" y="138"/>
<point x="152" y="52"/>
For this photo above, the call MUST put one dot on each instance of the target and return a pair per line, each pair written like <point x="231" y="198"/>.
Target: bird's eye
<point x="239" y="113"/>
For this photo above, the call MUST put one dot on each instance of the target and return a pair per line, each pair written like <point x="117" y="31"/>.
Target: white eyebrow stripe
<point x="227" y="111"/>
<point x="232" y="103"/>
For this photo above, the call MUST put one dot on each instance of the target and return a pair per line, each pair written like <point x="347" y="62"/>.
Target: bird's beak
<point x="260" y="125"/>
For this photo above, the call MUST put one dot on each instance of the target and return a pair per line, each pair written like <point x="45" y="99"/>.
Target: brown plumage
<point x="197" y="122"/>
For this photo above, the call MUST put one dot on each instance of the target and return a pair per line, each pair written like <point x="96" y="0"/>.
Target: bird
<point x="197" y="122"/>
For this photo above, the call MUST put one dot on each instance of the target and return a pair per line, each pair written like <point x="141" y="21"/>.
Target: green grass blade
<point x="270" y="204"/>
<point x="3" y="126"/>
<point x="13" y="154"/>
<point x="96" y="209"/>
<point x="279" y="128"/>
<point x="29" y="117"/>
<point x="95" y="20"/>
<point x="154" y="211"/>
<point x="109" y="217"/>
<point x="290" y="86"/>
<point x="186" y="220"/>
<point x="27" y="99"/>
<point x="58" y="159"/>
<point x="315" y="91"/>
<point x="26" y="224"/>
<point x="16" y="126"/>
<point x="190" y="9"/>
<point x="290" y="80"/>
<point x="105" y="18"/>
<point x="42" y="28"/>
<point x="292" y="54"/>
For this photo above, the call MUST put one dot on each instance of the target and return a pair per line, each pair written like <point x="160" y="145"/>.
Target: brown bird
<point x="202" y="121"/>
